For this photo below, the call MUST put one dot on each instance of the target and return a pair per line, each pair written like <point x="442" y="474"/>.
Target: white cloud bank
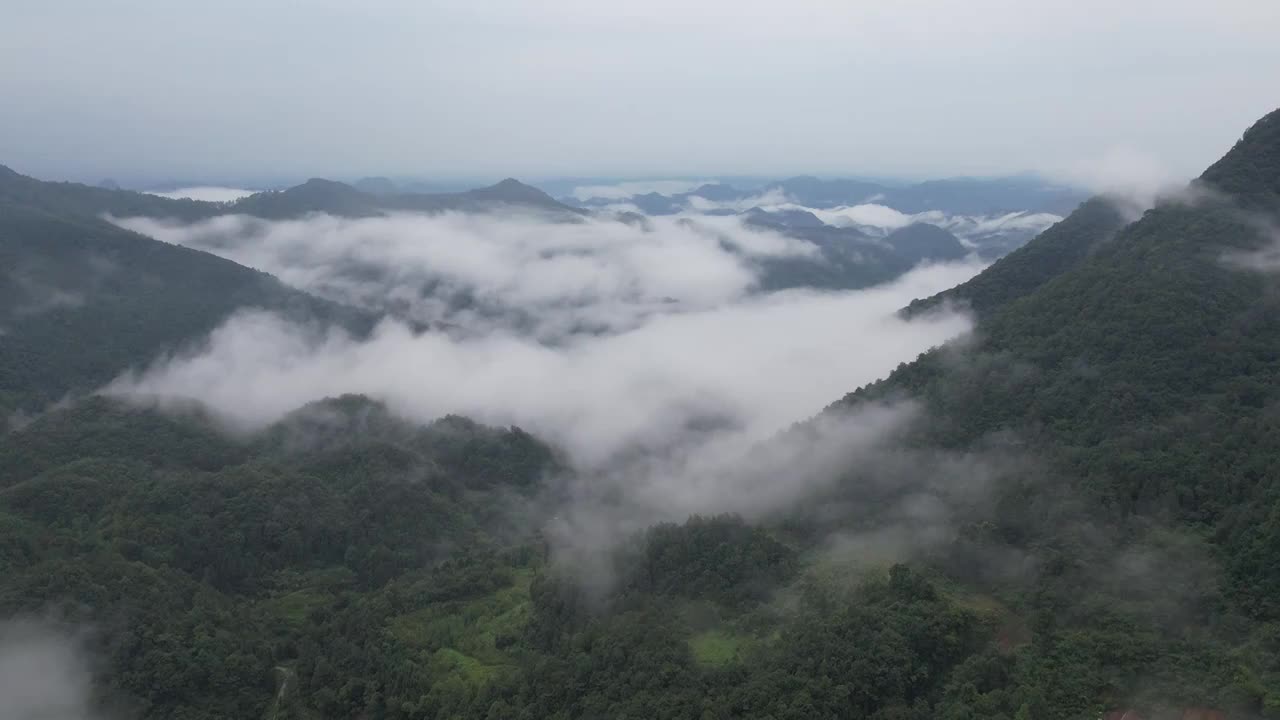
<point x="206" y="193"/>
<point x="752" y="366"/>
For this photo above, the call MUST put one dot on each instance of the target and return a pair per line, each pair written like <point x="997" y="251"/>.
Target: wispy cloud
<point x="470" y="271"/>
<point x="44" y="672"/>
<point x="751" y="366"/>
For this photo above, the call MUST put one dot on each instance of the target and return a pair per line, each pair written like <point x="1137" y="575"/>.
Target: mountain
<point x="335" y="198"/>
<point x="1021" y="272"/>
<point x="984" y="196"/>
<point x="926" y="242"/>
<point x="847" y="257"/>
<point x="82" y="300"/>
<point x="814" y="192"/>
<point x="782" y="219"/>
<point x="1138" y="371"/>
<point x="376" y="186"/>
<point x="955" y="196"/>
<point x="656" y="204"/>
<point x="314" y="195"/>
<point x="182" y="587"/>
<point x="718" y="192"/>
<point x="66" y="199"/>
<point x="970" y="197"/>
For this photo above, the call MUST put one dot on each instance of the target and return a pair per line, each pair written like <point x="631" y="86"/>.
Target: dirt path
<point x="284" y="678"/>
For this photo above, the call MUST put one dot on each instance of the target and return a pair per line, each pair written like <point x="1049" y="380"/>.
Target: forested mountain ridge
<point x="1250" y="173"/>
<point x="1145" y="376"/>
<point x="847" y="257"/>
<point x="335" y="198"/>
<point x="82" y="300"/>
<point x="1022" y="271"/>
<point x="393" y="573"/>
<point x="314" y="196"/>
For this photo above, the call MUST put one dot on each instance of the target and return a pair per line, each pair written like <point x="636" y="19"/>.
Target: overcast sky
<point x="239" y="89"/>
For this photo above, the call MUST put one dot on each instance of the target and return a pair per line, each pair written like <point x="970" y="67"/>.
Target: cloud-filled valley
<point x="659" y="321"/>
<point x="646" y="351"/>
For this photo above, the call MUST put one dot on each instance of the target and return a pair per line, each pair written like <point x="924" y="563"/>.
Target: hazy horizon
<point x="261" y="93"/>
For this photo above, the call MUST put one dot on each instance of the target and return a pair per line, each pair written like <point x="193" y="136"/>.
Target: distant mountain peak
<point x="320" y="183"/>
<point x="783" y="218"/>
<point x="513" y="191"/>
<point x="376" y="185"/>
<point x="928" y="242"/>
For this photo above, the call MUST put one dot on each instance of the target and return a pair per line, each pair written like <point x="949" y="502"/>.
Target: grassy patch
<point x="464" y="637"/>
<point x="1011" y="630"/>
<point x="716" y="647"/>
<point x="475" y="672"/>
<point x="294" y="607"/>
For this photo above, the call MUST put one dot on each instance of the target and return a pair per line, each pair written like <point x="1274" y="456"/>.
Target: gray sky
<point x="440" y="88"/>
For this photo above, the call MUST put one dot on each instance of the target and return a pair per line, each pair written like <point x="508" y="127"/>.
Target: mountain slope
<point x="1144" y="381"/>
<point x="67" y="198"/>
<point x="211" y="562"/>
<point x="1021" y="272"/>
<point x="848" y="258"/>
<point x="82" y="300"/>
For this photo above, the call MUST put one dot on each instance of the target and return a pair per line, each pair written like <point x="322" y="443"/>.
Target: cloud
<point x="624" y="190"/>
<point x="881" y="219"/>
<point x="1136" y="179"/>
<point x="44" y="674"/>
<point x="41" y="288"/>
<point x="471" y="271"/>
<point x="870" y="214"/>
<point x="1264" y="258"/>
<point x="205" y="193"/>
<point x="43" y="298"/>
<point x="770" y="198"/>
<point x="753" y="365"/>
<point x="971" y="229"/>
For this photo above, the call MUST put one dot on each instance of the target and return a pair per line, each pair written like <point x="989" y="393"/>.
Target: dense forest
<point x="1120" y="394"/>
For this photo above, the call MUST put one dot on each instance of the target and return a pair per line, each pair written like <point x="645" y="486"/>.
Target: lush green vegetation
<point x="1144" y="377"/>
<point x="370" y="566"/>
